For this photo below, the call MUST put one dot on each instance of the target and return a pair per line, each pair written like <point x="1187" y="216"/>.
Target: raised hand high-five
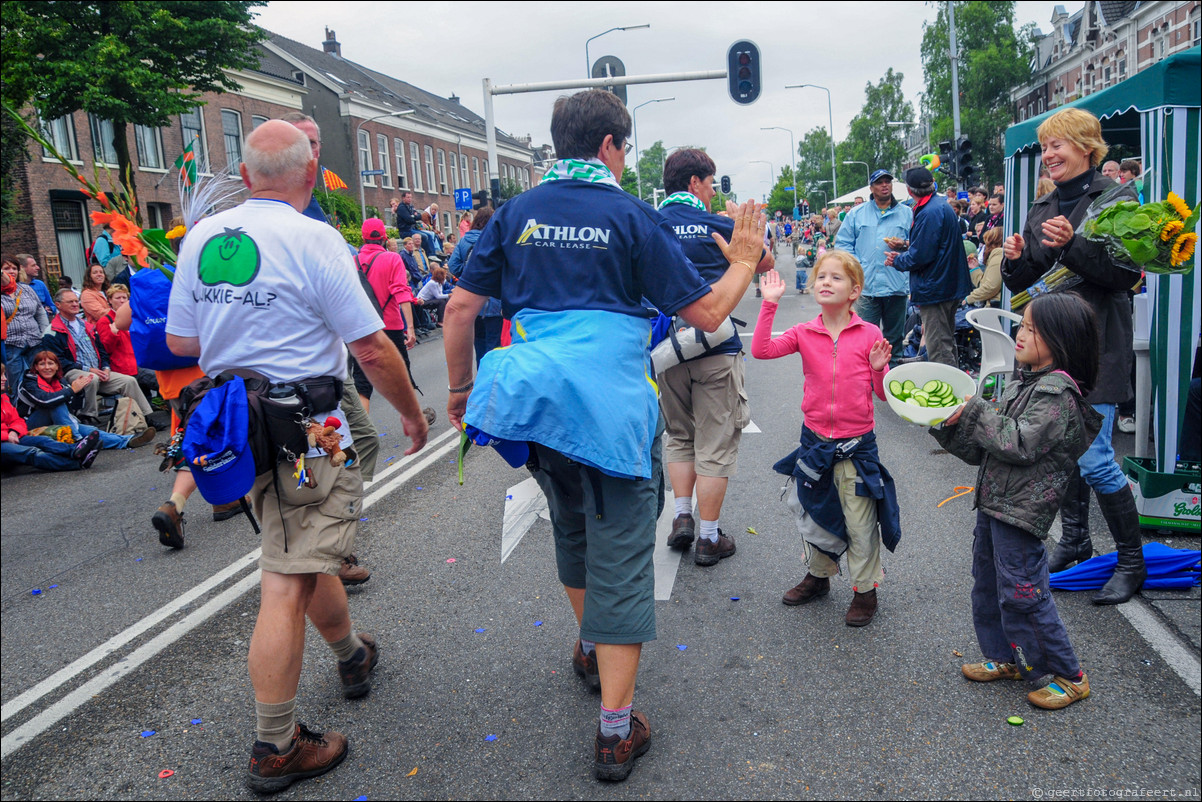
<point x="772" y="287"/>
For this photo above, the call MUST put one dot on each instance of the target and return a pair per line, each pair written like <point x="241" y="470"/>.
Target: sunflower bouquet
<point x="1158" y="237"/>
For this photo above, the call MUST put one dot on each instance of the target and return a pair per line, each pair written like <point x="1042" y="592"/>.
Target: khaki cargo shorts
<point x="705" y="410"/>
<point x="308" y="530"/>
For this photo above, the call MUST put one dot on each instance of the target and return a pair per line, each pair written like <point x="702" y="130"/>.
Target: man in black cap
<point x="937" y="265"/>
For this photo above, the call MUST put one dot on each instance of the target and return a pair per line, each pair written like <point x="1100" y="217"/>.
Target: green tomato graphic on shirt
<point x="230" y="257"/>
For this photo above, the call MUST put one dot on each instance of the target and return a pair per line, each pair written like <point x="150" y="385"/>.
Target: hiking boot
<point x="170" y="523"/>
<point x="223" y="512"/>
<point x="311" y="754"/>
<point x="143" y="438"/>
<point x="356" y="672"/>
<point x="990" y="670"/>
<point x="586" y="666"/>
<point x="351" y="573"/>
<point x="87" y="449"/>
<point x="613" y="757"/>
<point x="683" y="531"/>
<point x="807" y="590"/>
<point x="1060" y="692"/>
<point x="708" y="552"/>
<point x="863" y="608"/>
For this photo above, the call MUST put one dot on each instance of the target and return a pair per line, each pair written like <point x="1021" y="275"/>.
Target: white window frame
<point x="201" y="151"/>
<point x="454" y="172"/>
<point x="398" y="147"/>
<point x="226" y="136"/>
<point x="475" y="173"/>
<point x="415" y="162"/>
<point x="482" y="171"/>
<point x="365" y="159"/>
<point x="385" y="163"/>
<point x="156" y="139"/>
<point x="430" y="183"/>
<point x="61" y="133"/>
<point x="256" y="120"/>
<point x="463" y="171"/>
<point x="442" y="172"/>
<point x="96" y="124"/>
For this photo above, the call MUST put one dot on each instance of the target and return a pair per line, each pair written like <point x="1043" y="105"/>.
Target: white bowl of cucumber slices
<point x="927" y="393"/>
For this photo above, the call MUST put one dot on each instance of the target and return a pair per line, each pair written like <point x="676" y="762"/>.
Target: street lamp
<point x="362" y="198"/>
<point x="634" y="114"/>
<point x="792" y="157"/>
<point x="831" y="123"/>
<point x="771" y="169"/>
<point x="588" y="65"/>
<point x="867" y="169"/>
<point x="926" y="124"/>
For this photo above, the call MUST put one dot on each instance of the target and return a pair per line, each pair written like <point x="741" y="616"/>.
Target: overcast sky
<point x="448" y="48"/>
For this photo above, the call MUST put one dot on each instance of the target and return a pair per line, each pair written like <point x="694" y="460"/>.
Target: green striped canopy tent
<point x="1157" y="113"/>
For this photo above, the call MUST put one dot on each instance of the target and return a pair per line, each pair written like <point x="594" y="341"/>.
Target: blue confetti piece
<point x="35" y="592"/>
<point x="101" y="501"/>
<point x="195" y="721"/>
<point x="154" y="488"/>
<point x="490" y="737"/>
<point x="421" y="488"/>
<point x="478" y="631"/>
<point x="361" y="798"/>
<point x="681" y="646"/>
<point x="509" y="498"/>
<point x="538" y="623"/>
<point x="147" y="733"/>
<point x="138" y="560"/>
<point x="734" y="598"/>
<point x="52" y="587"/>
<point x="364" y="518"/>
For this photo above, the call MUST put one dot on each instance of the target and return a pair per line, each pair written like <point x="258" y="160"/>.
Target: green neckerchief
<point x="592" y="171"/>
<point x="687" y="198"/>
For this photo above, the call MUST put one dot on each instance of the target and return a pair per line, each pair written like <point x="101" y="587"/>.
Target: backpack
<point x="364" y="272"/>
<point x="127" y="419"/>
<point x="90" y="253"/>
<point x="149" y="297"/>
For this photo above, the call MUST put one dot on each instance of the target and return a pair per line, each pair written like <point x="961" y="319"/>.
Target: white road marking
<point x="751" y="428"/>
<point x="1166" y="644"/>
<point x="667" y="561"/>
<point x="524" y="504"/>
<point x="21" y="735"/>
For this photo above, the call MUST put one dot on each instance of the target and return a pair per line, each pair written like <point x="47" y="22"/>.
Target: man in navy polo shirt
<point x="571" y="260"/>
<point x="702" y="400"/>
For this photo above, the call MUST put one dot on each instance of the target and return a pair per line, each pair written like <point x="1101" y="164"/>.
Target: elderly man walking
<point x="264" y="290"/>
<point x="571" y="260"/>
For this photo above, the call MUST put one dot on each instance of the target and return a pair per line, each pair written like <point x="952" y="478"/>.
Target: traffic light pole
<point x="955" y="59"/>
<point x="494" y="170"/>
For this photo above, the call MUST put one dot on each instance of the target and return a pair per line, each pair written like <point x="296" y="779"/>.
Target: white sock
<point x="709" y="530"/>
<point x="684" y="505"/>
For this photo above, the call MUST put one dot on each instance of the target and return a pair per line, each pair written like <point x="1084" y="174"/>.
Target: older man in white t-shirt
<point x="263" y="288"/>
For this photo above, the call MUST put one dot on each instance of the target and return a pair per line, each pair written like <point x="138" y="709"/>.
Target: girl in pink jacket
<point x="844" y="360"/>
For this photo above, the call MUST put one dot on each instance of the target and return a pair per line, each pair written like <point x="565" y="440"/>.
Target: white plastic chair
<point x="997" y="346"/>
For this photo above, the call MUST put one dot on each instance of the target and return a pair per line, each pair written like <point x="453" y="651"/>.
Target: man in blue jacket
<point x="883" y="302"/>
<point x="937" y="265"/>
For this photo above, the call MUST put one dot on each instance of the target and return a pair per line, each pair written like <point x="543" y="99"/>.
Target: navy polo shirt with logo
<point x="693" y="228"/>
<point x="579" y="245"/>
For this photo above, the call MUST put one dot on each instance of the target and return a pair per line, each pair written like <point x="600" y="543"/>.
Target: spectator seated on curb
<point x="44" y="400"/>
<point x="19" y="447"/>
<point x="433" y="296"/>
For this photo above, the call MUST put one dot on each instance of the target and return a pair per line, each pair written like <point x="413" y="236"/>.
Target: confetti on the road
<point x="35" y="592"/>
<point x="734" y="598"/>
<point x="421" y="488"/>
<point x="364" y="518"/>
<point x="361" y="798"/>
<point x="101" y="501"/>
<point x="751" y="531"/>
<point x="681" y="646"/>
<point x="147" y="733"/>
<point x="478" y="631"/>
<point x="410" y="774"/>
<point x="450" y="559"/>
<point x="165" y="773"/>
<point x="538" y="623"/>
<point x="962" y="490"/>
<point x="52" y="587"/>
<point x="138" y="560"/>
<point x="490" y="737"/>
<point x="195" y="721"/>
<point x="958" y="654"/>
<point x="1015" y="721"/>
<point x="509" y="498"/>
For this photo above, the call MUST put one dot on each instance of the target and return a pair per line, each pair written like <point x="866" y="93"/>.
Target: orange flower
<point x="1179" y="205"/>
<point x="1171" y="229"/>
<point x="102" y="218"/>
<point x="127" y="236"/>
<point x="104" y="201"/>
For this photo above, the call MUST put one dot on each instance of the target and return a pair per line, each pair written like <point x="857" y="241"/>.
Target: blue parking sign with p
<point x="463" y="200"/>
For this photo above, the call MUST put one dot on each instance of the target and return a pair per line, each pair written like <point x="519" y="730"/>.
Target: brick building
<point x="1107" y="41"/>
<point x="438" y="147"/>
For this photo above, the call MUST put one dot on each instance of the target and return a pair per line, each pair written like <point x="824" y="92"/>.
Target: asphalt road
<point x="762" y="701"/>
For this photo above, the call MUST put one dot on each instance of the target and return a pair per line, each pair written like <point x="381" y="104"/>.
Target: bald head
<point x="277" y="158"/>
<point x="1111" y="170"/>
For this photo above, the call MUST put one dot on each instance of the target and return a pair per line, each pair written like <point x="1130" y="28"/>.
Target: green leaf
<point x="1141" y="252"/>
<point x="1135" y="224"/>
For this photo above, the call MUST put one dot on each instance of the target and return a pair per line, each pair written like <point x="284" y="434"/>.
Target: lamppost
<point x="831" y="125"/>
<point x="771" y="170"/>
<point x="867" y="169"/>
<point x="588" y="65"/>
<point x="634" y="114"/>
<point x="362" y="197"/>
<point x="792" y="158"/>
<point x="926" y="124"/>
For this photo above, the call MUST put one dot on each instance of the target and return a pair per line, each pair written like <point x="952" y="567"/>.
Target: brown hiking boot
<point x="807" y="590"/>
<point x="351" y="573"/>
<point x="863" y="608"/>
<point x="709" y="552"/>
<point x="613" y="757"/>
<point x="586" y="666"/>
<point x="311" y="754"/>
<point x="683" y="532"/>
<point x="356" y="672"/>
<point x="223" y="512"/>
<point x="170" y="523"/>
<point x="142" y="439"/>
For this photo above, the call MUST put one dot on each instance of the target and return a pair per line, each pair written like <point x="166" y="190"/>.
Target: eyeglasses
<point x="627" y="147"/>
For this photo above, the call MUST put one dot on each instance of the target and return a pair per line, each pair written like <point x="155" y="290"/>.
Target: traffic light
<point x="725" y="185"/>
<point x="480" y="199"/>
<point x="947" y="157"/>
<point x="964" y="166"/>
<point x="743" y="72"/>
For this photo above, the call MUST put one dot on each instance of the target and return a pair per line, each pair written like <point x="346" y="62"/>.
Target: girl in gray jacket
<point x="1027" y="445"/>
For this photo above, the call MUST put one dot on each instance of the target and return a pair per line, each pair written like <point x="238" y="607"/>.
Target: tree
<point x="814" y="168"/>
<point x="650" y="171"/>
<point x="870" y="139"/>
<point x="510" y="189"/>
<point x="994" y="57"/>
<point x="139" y="63"/>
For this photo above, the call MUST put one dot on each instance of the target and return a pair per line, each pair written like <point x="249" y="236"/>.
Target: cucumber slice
<point x="932" y="386"/>
<point x="895" y="387"/>
<point x="908" y="386"/>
